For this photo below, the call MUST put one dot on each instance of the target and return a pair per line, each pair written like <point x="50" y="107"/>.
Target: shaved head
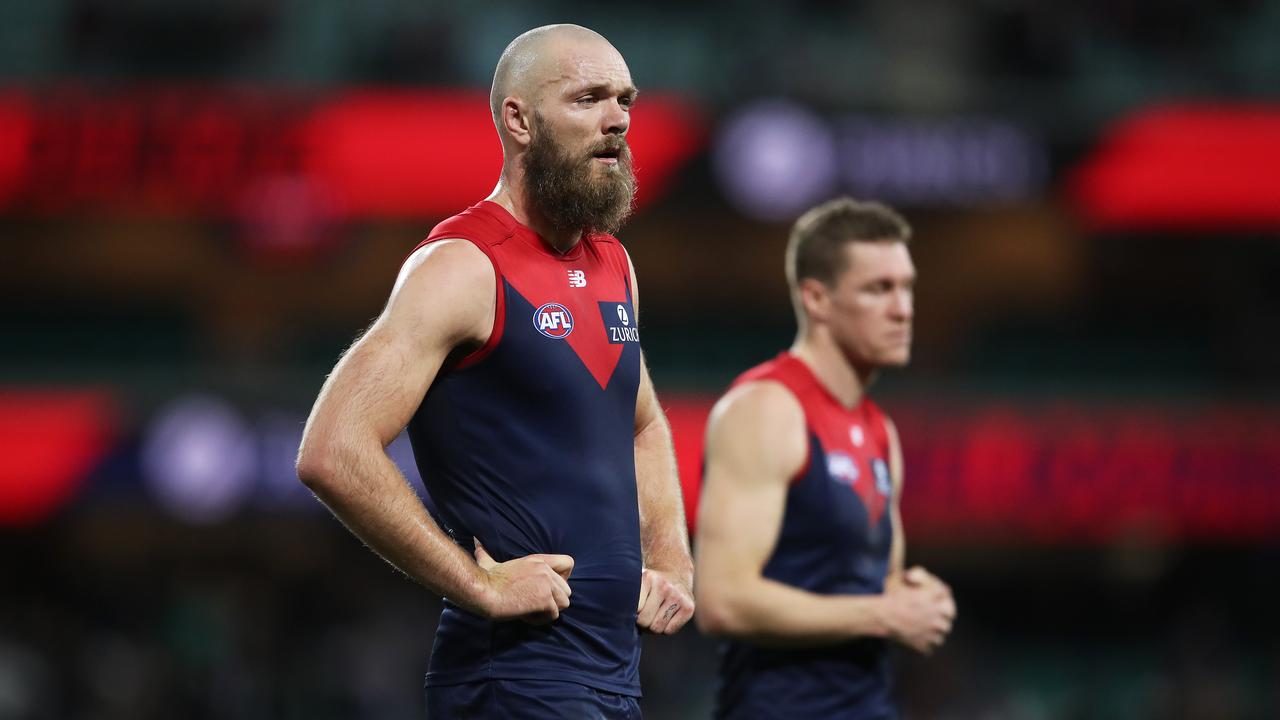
<point x="533" y="60"/>
<point x="561" y="102"/>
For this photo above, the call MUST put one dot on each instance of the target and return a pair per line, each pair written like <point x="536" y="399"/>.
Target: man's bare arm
<point x="756" y="443"/>
<point x="916" y="576"/>
<point x="666" y="589"/>
<point x="442" y="300"/>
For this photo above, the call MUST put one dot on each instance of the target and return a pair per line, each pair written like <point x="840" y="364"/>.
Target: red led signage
<point x="1184" y="168"/>
<point x="217" y="152"/>
<point x="49" y="441"/>
<point x="15" y="143"/>
<point x="980" y="473"/>
<point x="1069" y="473"/>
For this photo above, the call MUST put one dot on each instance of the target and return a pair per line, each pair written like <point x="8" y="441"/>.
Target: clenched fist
<point x="533" y="588"/>
<point x="919" y="610"/>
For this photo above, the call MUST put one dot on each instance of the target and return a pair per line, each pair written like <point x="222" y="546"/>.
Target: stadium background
<point x="201" y="203"/>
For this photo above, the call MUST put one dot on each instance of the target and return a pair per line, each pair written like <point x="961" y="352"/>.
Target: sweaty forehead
<point x="586" y="63"/>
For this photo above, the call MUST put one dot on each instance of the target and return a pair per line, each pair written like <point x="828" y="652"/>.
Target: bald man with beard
<point x="509" y="348"/>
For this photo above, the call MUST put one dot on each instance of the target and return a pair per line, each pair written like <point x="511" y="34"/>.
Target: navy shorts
<point x="528" y="699"/>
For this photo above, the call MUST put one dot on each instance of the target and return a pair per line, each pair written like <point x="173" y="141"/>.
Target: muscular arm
<point x="663" y="534"/>
<point x="666" y="593"/>
<point x="917" y="577"/>
<point x="756" y="442"/>
<point x="442" y="300"/>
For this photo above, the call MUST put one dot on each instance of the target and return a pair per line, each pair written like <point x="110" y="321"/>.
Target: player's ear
<point x="815" y="297"/>
<point x="517" y="119"/>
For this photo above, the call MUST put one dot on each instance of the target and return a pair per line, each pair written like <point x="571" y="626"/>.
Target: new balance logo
<point x="577" y="278"/>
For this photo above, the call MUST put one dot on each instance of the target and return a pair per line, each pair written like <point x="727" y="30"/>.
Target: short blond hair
<point x="815" y="248"/>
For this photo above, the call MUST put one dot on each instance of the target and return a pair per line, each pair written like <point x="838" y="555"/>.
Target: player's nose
<point x="903" y="305"/>
<point x="617" y="118"/>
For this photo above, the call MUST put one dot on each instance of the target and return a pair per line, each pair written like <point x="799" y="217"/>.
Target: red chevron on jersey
<point x="854" y="441"/>
<point x="546" y="287"/>
<point x="581" y="297"/>
<point x="855" y="444"/>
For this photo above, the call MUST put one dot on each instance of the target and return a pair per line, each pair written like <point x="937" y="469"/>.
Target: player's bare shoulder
<point x="446" y="288"/>
<point x="758" y="428"/>
<point x="760" y="403"/>
<point x="451" y="264"/>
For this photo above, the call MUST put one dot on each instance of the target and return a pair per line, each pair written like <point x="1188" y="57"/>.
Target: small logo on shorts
<point x="553" y="320"/>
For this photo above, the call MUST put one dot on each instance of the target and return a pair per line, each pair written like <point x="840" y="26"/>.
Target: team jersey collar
<point x="527" y="235"/>
<point x="803" y="369"/>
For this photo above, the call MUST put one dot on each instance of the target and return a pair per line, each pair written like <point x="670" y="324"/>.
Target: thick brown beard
<point x="560" y="184"/>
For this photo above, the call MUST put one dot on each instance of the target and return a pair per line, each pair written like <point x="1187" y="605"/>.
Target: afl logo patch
<point x="553" y="320"/>
<point x="842" y="468"/>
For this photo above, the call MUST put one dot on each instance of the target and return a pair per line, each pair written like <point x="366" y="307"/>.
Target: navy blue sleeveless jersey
<point x="835" y="538"/>
<point x="527" y="444"/>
